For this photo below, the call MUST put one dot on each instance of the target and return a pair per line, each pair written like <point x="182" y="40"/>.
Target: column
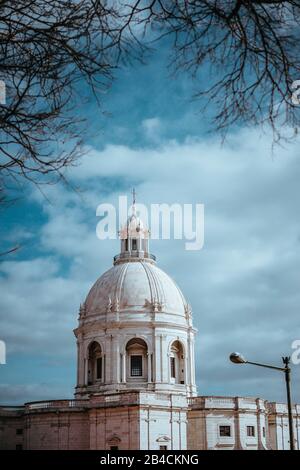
<point x="164" y="356"/>
<point x="149" y="367"/>
<point x="118" y="362"/>
<point x="80" y="360"/>
<point x="185" y="367"/>
<point x="124" y="367"/>
<point x="115" y="359"/>
<point x="157" y="366"/>
<point x="86" y="367"/>
<point x="192" y="360"/>
<point x="79" y="365"/>
<point x="104" y="367"/>
<point x="259" y="426"/>
<point x="188" y="362"/>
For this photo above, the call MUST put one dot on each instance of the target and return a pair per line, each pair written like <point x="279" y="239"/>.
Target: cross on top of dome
<point x="133" y="196"/>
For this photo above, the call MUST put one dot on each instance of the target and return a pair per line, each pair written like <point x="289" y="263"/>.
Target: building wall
<point x="207" y="414"/>
<point x="11" y="420"/>
<point x="60" y="429"/>
<point x="163" y="421"/>
<point x="45" y="425"/>
<point x="147" y="420"/>
<point x="138" y="420"/>
<point x="279" y="426"/>
<point x="114" y="427"/>
<point x="124" y="420"/>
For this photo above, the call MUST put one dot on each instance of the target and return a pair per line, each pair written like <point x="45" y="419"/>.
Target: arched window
<point x="136" y="351"/>
<point x="176" y="363"/>
<point x="95" y="363"/>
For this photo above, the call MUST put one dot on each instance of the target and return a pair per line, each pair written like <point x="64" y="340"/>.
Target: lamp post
<point x="237" y="358"/>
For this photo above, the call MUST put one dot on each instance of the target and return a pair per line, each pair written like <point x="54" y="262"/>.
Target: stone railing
<point x="7" y="409"/>
<point x="196" y="402"/>
<point x="38" y="405"/>
<point x="115" y="399"/>
<point x="281" y="408"/>
<point x="132" y="256"/>
<point x="212" y="402"/>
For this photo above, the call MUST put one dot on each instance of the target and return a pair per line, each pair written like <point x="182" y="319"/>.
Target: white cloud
<point x="38" y="307"/>
<point x="243" y="285"/>
<point x="152" y="128"/>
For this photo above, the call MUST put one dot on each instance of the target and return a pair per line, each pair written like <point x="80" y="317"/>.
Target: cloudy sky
<point x="243" y="285"/>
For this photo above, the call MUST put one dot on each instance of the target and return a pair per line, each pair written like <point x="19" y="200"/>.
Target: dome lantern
<point x="134" y="236"/>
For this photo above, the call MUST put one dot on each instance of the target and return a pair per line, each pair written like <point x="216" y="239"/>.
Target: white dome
<point x="135" y="309"/>
<point x="138" y="286"/>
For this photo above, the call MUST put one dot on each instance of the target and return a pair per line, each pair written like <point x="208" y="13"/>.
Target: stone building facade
<point x="136" y="384"/>
<point x="239" y="423"/>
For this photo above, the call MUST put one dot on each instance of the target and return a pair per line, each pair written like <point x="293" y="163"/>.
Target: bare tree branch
<point x="47" y="48"/>
<point x="248" y="50"/>
<point x="11" y="250"/>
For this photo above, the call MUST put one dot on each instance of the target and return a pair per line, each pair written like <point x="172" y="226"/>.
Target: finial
<point x="133" y="196"/>
<point x="133" y="200"/>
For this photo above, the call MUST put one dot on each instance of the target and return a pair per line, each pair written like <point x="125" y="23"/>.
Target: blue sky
<point x="243" y="286"/>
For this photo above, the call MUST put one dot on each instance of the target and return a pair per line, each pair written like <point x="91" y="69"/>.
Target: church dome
<point x="136" y="285"/>
<point x="135" y="327"/>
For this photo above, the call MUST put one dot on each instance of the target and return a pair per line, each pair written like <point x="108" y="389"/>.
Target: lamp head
<point x="237" y="358"/>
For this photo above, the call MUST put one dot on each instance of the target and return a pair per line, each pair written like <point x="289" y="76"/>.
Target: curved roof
<point x="136" y="286"/>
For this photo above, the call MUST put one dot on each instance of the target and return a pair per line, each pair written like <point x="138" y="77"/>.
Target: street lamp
<point x="237" y="358"/>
